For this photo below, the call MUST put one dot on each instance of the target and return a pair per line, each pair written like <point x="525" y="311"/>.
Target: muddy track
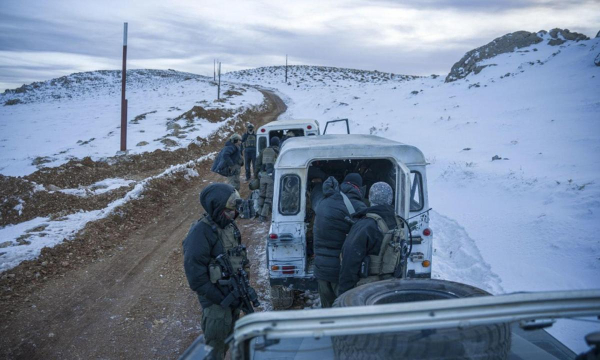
<point x="133" y="301"/>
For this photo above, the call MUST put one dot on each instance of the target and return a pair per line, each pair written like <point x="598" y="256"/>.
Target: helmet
<point x="250" y="126"/>
<point x="235" y="137"/>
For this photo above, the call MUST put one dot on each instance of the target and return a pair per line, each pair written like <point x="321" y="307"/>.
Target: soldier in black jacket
<point x="366" y="237"/>
<point x="214" y="234"/>
<point x="249" y="144"/>
<point x="332" y="223"/>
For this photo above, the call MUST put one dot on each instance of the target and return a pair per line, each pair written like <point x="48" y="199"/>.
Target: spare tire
<point x="474" y="342"/>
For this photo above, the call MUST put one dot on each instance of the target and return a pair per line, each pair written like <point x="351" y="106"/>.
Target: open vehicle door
<point x="336" y="121"/>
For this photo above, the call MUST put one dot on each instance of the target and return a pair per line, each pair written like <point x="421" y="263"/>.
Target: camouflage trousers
<point x="265" y="200"/>
<point x="234" y="178"/>
<point x="327" y="293"/>
<point x="217" y="325"/>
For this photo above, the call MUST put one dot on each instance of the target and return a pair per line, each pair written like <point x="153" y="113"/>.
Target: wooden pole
<point x="286" y="68"/>
<point x="123" y="98"/>
<point x="214" y="69"/>
<point x="219" y="85"/>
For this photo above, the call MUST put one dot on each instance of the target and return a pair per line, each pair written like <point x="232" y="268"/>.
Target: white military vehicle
<point x="289" y="243"/>
<point x="282" y="129"/>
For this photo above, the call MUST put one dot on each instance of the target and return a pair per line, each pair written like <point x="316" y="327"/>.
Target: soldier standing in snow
<point x="214" y="234"/>
<point x="265" y="171"/>
<point x="333" y="205"/>
<point x="370" y="238"/>
<point x="249" y="145"/>
<point x="229" y="161"/>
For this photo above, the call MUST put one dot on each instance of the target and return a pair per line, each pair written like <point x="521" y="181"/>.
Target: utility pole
<point x="219" y="84"/>
<point x="123" y="99"/>
<point x="214" y="69"/>
<point x="286" y="68"/>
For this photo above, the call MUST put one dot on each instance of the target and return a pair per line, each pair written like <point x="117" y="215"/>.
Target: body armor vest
<point x="269" y="156"/>
<point x="230" y="238"/>
<point x="383" y="264"/>
<point x="251" y="141"/>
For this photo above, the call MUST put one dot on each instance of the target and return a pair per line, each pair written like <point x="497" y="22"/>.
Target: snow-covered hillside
<point x="527" y="222"/>
<point x="79" y="115"/>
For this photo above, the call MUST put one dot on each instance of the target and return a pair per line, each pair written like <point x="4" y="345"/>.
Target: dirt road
<point x="133" y="301"/>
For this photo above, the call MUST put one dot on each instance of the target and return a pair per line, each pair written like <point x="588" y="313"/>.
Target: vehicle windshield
<point x="517" y="343"/>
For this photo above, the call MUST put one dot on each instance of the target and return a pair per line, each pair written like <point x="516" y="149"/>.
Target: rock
<point x="469" y="64"/>
<point x="87" y="161"/>
<point x="52" y="187"/>
<point x="142" y="143"/>
<point x="597" y="60"/>
<point x="169" y="142"/>
<point x="173" y="126"/>
<point x="11" y="276"/>
<point x="65" y="263"/>
<point x="5" y="244"/>
<point x="496" y="157"/>
<point x="598" y="35"/>
<point x="466" y="149"/>
<point x="44" y="263"/>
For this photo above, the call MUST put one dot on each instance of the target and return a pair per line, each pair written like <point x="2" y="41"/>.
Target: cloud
<point x="412" y="36"/>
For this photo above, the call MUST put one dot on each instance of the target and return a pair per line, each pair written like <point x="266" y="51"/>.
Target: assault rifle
<point x="238" y="284"/>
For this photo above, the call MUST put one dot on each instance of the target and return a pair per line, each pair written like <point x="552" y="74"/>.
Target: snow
<point x="80" y="116"/>
<point x="526" y="223"/>
<point x="47" y="232"/>
<point x="98" y="188"/>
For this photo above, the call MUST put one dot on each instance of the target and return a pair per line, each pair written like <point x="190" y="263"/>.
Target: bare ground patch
<point x="117" y="290"/>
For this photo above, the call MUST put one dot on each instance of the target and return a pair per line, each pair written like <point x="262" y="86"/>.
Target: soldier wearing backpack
<point x="249" y="145"/>
<point x="265" y="171"/>
<point x="372" y="250"/>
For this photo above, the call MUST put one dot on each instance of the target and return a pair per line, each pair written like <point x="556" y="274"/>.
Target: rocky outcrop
<point x="560" y="36"/>
<point x="470" y="63"/>
<point x="597" y="60"/>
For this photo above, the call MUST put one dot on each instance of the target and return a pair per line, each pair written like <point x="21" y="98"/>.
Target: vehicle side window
<point x="416" y="191"/>
<point x="262" y="143"/>
<point x="289" y="195"/>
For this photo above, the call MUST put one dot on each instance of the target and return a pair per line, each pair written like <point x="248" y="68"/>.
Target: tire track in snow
<point x="456" y="256"/>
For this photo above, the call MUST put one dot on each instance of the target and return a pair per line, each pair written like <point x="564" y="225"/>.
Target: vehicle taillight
<point x="273" y="236"/>
<point x="427" y="232"/>
<point x="275" y="267"/>
<point x="262" y="130"/>
<point x="309" y="127"/>
<point x="288" y="269"/>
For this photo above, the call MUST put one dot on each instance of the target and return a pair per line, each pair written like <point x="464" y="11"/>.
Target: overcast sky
<point x="41" y="39"/>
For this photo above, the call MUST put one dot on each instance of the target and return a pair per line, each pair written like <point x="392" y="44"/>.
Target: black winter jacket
<point x="201" y="245"/>
<point x="331" y="225"/>
<point x="363" y="239"/>
<point x="230" y="155"/>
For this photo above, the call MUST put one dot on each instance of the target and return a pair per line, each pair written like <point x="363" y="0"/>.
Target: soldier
<point x="229" y="162"/>
<point x="333" y="204"/>
<point x="249" y="145"/>
<point x="368" y="242"/>
<point x="214" y="234"/>
<point x="265" y="169"/>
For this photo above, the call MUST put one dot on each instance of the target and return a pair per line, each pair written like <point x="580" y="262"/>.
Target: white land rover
<point x="282" y="128"/>
<point x="289" y="242"/>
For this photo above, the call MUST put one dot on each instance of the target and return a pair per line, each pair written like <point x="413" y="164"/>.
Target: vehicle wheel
<point x="474" y="342"/>
<point x="281" y="297"/>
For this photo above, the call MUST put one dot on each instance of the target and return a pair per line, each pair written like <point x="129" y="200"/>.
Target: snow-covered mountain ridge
<point x="100" y="82"/>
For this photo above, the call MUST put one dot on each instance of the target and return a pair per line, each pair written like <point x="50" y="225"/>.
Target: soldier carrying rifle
<point x="216" y="265"/>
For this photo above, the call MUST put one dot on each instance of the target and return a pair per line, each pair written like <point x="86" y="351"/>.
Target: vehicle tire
<point x="474" y="342"/>
<point x="281" y="297"/>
